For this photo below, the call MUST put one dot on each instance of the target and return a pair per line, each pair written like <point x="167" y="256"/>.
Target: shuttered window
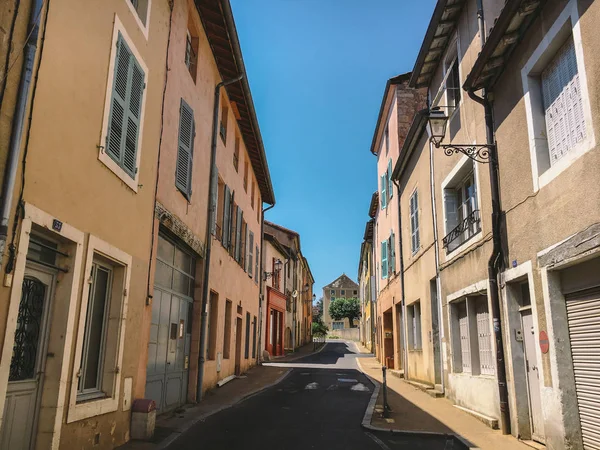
<point x="226" y="217"/>
<point x="256" y="256"/>
<point x="563" y="108"/>
<point x="392" y="254"/>
<point x="238" y="234"/>
<point x="463" y="331"/>
<point x="383" y="192"/>
<point x="185" y="147"/>
<point x="250" y="250"/>
<point x="384" y="259"/>
<point x="484" y="337"/>
<point x="125" y="109"/>
<point x="414" y="222"/>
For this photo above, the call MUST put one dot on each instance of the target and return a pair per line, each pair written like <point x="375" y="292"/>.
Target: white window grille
<point x="563" y="107"/>
<point x="484" y="337"/>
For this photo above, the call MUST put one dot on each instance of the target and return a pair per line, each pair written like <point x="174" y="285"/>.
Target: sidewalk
<point x="414" y="410"/>
<point x="171" y="425"/>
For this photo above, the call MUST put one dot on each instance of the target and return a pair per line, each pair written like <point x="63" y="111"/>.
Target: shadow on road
<point x="338" y="354"/>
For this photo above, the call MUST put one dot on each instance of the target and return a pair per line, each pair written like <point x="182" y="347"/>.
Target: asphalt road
<point x="319" y="405"/>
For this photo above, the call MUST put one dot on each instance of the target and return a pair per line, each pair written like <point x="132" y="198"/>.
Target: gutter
<point x="16" y="137"/>
<point x="210" y="219"/>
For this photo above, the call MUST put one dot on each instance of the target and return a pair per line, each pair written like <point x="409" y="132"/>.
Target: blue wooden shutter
<point x="389" y="176"/>
<point x="384" y="260"/>
<point x="125" y="109"/>
<point x="183" y="173"/>
<point x="392" y="253"/>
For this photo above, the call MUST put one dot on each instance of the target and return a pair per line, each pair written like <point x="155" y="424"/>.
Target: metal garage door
<point x="583" y="313"/>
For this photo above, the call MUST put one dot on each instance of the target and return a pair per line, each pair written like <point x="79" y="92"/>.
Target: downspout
<point x="438" y="285"/>
<point x="261" y="297"/>
<point x="210" y="219"/>
<point x="495" y="261"/>
<point x="12" y="161"/>
<point x="402" y="296"/>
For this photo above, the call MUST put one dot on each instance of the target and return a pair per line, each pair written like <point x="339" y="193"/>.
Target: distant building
<point x="342" y="287"/>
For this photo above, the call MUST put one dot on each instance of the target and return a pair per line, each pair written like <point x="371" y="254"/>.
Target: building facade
<point x="366" y="288"/>
<point x="75" y="269"/>
<point x="341" y="287"/>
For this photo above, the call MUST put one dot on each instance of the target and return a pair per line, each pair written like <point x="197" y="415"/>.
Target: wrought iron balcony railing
<point x="469" y="227"/>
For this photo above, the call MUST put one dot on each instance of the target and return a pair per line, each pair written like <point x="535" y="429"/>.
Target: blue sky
<point x="317" y="70"/>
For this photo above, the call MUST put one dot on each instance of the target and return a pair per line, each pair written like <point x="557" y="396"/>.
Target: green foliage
<point x="345" y="308"/>
<point x="319" y="329"/>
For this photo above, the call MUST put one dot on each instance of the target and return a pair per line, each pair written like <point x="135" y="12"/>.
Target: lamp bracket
<point x="477" y="152"/>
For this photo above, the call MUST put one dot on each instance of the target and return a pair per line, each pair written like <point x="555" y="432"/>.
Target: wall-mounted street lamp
<point x="267" y="275"/>
<point x="438" y="123"/>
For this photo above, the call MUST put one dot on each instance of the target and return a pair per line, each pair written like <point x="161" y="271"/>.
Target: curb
<point x="171" y="438"/>
<point x="366" y="422"/>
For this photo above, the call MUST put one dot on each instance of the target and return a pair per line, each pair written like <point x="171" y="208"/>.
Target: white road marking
<point x="333" y="387"/>
<point x="377" y="441"/>
<point x="312" y="386"/>
<point x="359" y="387"/>
<point x="347" y="380"/>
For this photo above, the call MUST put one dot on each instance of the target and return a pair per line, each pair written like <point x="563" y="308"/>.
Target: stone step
<point x="396" y="373"/>
<point x="489" y="421"/>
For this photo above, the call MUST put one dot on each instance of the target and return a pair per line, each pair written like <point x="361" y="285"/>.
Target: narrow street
<point x="319" y="405"/>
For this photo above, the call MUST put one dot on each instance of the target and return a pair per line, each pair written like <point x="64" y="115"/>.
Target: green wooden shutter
<point x="125" y="109"/>
<point x="185" y="145"/>
<point x="256" y="256"/>
<point x="226" y="214"/>
<point x="384" y="260"/>
<point x="238" y="231"/>
<point x="392" y="253"/>
<point x="389" y="176"/>
<point x="251" y="249"/>
<point x="383" y="192"/>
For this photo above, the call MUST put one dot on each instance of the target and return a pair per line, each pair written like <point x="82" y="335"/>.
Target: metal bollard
<point x="386" y="406"/>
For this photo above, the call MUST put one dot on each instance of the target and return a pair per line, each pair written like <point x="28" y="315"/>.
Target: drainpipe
<point x="438" y="286"/>
<point x="261" y="297"/>
<point x="496" y="258"/>
<point x="12" y="161"/>
<point x="402" y="296"/>
<point x="210" y="219"/>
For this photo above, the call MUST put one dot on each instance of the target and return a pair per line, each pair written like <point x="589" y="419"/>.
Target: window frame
<point x="144" y="25"/>
<point x="415" y="244"/>
<point x="103" y="156"/>
<point x="452" y="58"/>
<point x="415" y="338"/>
<point x="122" y="262"/>
<point x="567" y="24"/>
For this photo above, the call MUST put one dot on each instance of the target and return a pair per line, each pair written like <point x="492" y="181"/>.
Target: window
<point x="391" y="254"/>
<point x="236" y="153"/>
<point x="218" y="226"/>
<point x="227" y="217"/>
<point x="355" y="292"/>
<point x="472" y="339"/>
<point x="238" y="233"/>
<point x="213" y="317"/>
<point x="96" y="326"/>
<point x="141" y="7"/>
<point x="414" y="222"/>
<point x="563" y="105"/>
<point x="185" y="150"/>
<point x="243" y="245"/>
<point x="247" y="346"/>
<point x="332" y="293"/>
<point x="414" y="326"/>
<point x="384" y="186"/>
<point x="337" y="325"/>
<point x="250" y="250"/>
<point x="122" y="138"/>
<point x="452" y="76"/>
<point x="227" y="332"/>
<point x="559" y="118"/>
<point x="462" y="216"/>
<point x="246" y="175"/>
<point x="223" y="126"/>
<point x="276" y="275"/>
<point x="386" y="138"/>
<point x="191" y="50"/>
<point x="384" y="259"/>
<point x="252" y="194"/>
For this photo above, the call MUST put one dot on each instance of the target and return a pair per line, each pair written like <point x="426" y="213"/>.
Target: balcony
<point x="469" y="227"/>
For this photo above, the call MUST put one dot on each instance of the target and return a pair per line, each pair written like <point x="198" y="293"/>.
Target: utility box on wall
<point x="143" y="419"/>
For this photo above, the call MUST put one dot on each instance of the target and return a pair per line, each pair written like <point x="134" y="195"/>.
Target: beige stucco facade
<point x="341" y="287"/>
<point x="75" y="199"/>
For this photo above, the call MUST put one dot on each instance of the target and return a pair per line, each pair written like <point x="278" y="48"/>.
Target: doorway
<point x="435" y="331"/>
<point x="532" y="372"/>
<point x="238" y="346"/>
<point x="28" y="360"/>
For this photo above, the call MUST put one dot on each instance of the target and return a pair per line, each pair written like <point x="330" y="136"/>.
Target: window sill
<point x="91" y="408"/>
<point x="564" y="163"/>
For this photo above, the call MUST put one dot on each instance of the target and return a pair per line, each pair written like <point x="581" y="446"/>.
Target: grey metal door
<point x="583" y="315"/>
<point x="170" y="328"/>
<point x="533" y="381"/>
<point x="27" y="363"/>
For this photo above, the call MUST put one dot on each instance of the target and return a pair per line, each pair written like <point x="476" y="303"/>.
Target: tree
<point x="345" y="308"/>
<point x="319" y="329"/>
<point x="318" y="310"/>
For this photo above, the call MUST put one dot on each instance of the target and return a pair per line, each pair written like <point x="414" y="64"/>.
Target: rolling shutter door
<point x="583" y="315"/>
